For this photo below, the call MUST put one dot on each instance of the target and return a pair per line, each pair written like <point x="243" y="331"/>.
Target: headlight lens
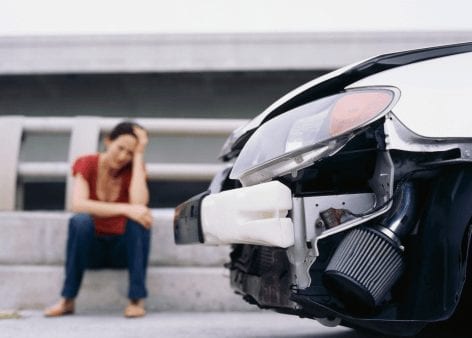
<point x="354" y="109"/>
<point x="307" y="133"/>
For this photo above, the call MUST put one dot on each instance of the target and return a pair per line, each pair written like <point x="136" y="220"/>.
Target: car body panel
<point x="427" y="95"/>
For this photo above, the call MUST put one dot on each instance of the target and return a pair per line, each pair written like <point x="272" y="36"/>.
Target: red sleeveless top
<point x="87" y="166"/>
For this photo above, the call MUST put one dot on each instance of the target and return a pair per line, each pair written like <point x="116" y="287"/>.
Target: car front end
<point x="330" y="197"/>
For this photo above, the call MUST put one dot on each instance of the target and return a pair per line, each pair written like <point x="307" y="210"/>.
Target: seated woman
<point x="112" y="224"/>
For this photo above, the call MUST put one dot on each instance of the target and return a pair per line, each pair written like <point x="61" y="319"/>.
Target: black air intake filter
<point x="364" y="268"/>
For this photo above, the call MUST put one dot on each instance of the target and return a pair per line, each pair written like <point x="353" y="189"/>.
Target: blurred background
<point x="211" y="60"/>
<point x="191" y="71"/>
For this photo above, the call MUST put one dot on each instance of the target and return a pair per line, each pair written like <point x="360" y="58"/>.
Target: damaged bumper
<point x="251" y="215"/>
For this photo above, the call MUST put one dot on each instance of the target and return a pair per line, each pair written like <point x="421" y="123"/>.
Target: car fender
<point x="435" y="95"/>
<point x="440" y="271"/>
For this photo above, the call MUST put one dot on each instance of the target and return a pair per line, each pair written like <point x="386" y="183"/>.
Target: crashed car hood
<point x="332" y="83"/>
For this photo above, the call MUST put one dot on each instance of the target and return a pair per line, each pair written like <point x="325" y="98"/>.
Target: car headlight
<point x="299" y="137"/>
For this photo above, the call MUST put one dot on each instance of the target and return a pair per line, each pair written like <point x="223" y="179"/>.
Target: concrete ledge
<point x="40" y="238"/>
<point x="170" y="289"/>
<point x="206" y="52"/>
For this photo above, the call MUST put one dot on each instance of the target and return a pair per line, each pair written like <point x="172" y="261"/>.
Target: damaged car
<point x="349" y="199"/>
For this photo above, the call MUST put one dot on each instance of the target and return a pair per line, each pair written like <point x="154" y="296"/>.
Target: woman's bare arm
<point x="82" y="203"/>
<point x="138" y="188"/>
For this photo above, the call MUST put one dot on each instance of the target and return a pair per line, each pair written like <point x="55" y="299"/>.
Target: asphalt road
<point x="174" y="325"/>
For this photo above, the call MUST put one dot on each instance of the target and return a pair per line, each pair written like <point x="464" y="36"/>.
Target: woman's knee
<point x="81" y="224"/>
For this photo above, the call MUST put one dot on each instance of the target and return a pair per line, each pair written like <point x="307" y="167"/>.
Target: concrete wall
<point x="206" y="52"/>
<point x="206" y="94"/>
<point x="180" y="278"/>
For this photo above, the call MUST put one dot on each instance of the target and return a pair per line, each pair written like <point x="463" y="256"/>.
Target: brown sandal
<point x="135" y="309"/>
<point x="63" y="307"/>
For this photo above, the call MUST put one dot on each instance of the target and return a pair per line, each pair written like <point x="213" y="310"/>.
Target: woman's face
<point x="120" y="151"/>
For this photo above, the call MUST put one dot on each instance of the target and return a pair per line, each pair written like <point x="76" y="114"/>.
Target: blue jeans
<point x="86" y="249"/>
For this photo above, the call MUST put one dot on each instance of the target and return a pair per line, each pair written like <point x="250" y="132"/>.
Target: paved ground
<point x="173" y="325"/>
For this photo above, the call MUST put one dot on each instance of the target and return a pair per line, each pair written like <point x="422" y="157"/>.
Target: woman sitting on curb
<point x="112" y="224"/>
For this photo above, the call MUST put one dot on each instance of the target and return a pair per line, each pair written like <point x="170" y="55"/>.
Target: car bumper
<point x="250" y="215"/>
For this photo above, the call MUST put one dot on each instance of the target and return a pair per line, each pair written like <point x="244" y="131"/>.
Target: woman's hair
<point x="123" y="128"/>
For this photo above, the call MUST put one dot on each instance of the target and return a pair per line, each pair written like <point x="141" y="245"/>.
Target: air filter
<point x="364" y="268"/>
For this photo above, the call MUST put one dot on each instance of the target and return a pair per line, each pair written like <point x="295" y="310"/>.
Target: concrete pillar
<point x="84" y="140"/>
<point x="10" y="143"/>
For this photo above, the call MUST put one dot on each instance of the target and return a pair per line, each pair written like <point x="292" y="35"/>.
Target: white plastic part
<point x="252" y="215"/>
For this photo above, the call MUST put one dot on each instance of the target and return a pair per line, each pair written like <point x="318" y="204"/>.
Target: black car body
<point x="349" y="200"/>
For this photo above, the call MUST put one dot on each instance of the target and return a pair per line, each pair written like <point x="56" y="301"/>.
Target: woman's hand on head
<point x="143" y="140"/>
<point x="141" y="214"/>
